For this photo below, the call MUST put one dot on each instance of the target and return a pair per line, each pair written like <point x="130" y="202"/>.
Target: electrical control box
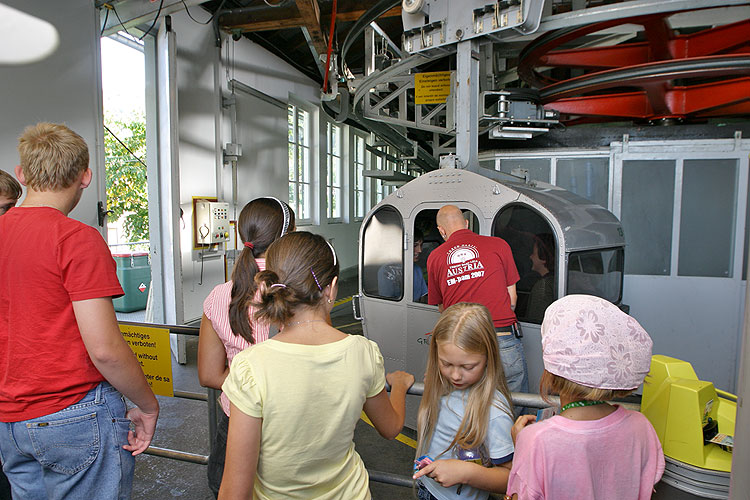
<point x="211" y="222"/>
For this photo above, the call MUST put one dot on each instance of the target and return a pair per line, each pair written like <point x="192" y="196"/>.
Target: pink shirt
<point x="617" y="457"/>
<point x="216" y="309"/>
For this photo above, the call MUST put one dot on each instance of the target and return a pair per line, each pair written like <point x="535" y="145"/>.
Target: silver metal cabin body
<point x="588" y="257"/>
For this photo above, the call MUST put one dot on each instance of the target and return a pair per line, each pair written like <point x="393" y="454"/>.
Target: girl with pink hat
<point x="592" y="353"/>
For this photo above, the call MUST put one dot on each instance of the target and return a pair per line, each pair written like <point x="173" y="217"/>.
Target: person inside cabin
<point x="543" y="290"/>
<point x="65" y="365"/>
<point x="391" y="279"/>
<point x="469" y="267"/>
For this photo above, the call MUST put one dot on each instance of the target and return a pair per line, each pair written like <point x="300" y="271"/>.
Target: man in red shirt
<point x="472" y="268"/>
<point x="64" y="426"/>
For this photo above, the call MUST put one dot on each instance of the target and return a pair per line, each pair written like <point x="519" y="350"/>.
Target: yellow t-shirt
<point x="310" y="398"/>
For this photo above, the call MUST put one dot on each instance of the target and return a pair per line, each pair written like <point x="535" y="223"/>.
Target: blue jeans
<point x="218" y="454"/>
<point x="423" y="493"/>
<point x="514" y="364"/>
<point x="73" y="453"/>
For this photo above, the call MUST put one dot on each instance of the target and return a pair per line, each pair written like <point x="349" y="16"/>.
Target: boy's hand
<point x="145" y="425"/>
<point x="446" y="473"/>
<point x="521" y="422"/>
<point x="400" y="379"/>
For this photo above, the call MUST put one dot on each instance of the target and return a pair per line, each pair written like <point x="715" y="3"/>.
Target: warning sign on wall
<point x="151" y="347"/>
<point x="432" y="88"/>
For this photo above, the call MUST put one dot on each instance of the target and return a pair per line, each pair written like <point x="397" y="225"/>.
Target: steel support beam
<point x="467" y="104"/>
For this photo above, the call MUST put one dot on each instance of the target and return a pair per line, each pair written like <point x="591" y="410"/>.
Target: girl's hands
<point x="400" y="379"/>
<point x="446" y="473"/>
<point x="521" y="422"/>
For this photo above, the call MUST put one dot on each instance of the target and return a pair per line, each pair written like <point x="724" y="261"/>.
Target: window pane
<point x="538" y="168"/>
<point x="382" y="257"/>
<point x="532" y="241"/>
<point x="335" y="203"/>
<point x="647" y="208"/>
<point x="304" y="202"/>
<point x="586" y="177"/>
<point x="291" y="161"/>
<point x="304" y="165"/>
<point x="596" y="272"/>
<point x="293" y="198"/>
<point x="335" y="171"/>
<point x="302" y="128"/>
<point x="709" y="189"/>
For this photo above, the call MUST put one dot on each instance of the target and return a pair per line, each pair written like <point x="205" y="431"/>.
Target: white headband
<point x="285" y="210"/>
<point x="332" y="251"/>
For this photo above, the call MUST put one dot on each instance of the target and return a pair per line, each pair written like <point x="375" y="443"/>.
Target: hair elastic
<point x="249" y="245"/>
<point x="316" y="279"/>
<point x="285" y="211"/>
<point x="280" y="285"/>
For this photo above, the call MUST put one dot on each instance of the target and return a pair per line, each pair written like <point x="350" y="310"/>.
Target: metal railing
<point x="519" y="399"/>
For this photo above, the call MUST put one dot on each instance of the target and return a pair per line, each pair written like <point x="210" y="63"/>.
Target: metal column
<point x="467" y="104"/>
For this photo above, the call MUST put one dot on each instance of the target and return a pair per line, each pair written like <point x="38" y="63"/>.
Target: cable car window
<point x="647" y="207"/>
<point x="586" y="177"/>
<point x="425" y="226"/>
<point x="382" y="255"/>
<point x="597" y="272"/>
<point x="532" y="241"/>
<point x="538" y="168"/>
<point x="707" y="236"/>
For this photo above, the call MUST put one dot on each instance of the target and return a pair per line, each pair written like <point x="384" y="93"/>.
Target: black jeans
<point x="218" y="454"/>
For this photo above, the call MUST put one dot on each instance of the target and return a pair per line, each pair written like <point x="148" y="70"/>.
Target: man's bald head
<point x="450" y="219"/>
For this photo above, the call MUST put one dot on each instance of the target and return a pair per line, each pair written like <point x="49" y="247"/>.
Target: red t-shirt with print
<point x="473" y="268"/>
<point x="47" y="262"/>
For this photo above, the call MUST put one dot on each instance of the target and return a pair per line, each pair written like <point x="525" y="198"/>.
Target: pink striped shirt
<point x="216" y="309"/>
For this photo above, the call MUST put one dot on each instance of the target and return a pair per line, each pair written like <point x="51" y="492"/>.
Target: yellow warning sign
<point x="432" y="88"/>
<point x="151" y="347"/>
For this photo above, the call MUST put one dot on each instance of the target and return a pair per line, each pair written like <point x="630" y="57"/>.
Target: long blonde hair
<point x="469" y="327"/>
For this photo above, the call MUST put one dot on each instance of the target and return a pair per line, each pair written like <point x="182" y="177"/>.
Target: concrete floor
<point x="183" y="425"/>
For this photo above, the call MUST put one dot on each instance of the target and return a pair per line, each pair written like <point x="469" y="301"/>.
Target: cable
<point x="106" y="18"/>
<point x="158" y="13"/>
<point x="199" y="22"/>
<point x="123" y="145"/>
<point x="120" y="21"/>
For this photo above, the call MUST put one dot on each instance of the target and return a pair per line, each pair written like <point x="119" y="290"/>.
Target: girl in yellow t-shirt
<point x="296" y="398"/>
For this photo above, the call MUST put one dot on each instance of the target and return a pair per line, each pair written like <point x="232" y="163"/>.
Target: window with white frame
<point x="300" y="163"/>
<point x="359" y="160"/>
<point x="334" y="172"/>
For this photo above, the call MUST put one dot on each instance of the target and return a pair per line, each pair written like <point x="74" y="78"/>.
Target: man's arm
<point x="513" y="296"/>
<point x="113" y="358"/>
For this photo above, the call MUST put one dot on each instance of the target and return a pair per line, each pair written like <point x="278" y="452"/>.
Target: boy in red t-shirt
<point x="64" y="426"/>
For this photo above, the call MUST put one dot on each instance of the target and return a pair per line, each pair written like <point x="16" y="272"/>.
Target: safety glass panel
<point x="382" y="255"/>
<point x="532" y="241"/>
<point x="709" y="190"/>
<point x="647" y="208"/>
<point x="596" y="272"/>
<point x="586" y="177"/>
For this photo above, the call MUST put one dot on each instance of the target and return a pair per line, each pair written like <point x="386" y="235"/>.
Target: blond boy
<point x="10" y="191"/>
<point x="64" y="427"/>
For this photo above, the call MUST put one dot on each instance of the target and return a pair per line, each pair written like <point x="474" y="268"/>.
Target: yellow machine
<point x="687" y="413"/>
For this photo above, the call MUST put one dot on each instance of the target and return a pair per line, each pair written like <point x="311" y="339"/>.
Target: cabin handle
<point x="355" y="303"/>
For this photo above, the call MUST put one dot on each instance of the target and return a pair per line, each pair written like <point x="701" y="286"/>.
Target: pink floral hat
<point x="590" y="341"/>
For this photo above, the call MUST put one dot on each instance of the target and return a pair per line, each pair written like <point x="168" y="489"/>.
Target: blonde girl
<point x="466" y="411"/>
<point x="227" y="326"/>
<point x="593" y="352"/>
<point x="296" y="398"/>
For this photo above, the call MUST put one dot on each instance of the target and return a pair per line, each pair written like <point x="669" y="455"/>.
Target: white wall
<point x="261" y="129"/>
<point x="64" y="88"/>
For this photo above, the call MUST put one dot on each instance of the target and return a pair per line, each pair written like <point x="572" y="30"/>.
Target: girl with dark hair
<point x="227" y="326"/>
<point x="296" y="398"/>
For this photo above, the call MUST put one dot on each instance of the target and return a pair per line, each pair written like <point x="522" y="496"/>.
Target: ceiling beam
<point x="274" y="19"/>
<point x="310" y="15"/>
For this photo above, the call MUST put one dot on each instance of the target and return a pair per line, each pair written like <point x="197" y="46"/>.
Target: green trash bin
<point x="134" y="273"/>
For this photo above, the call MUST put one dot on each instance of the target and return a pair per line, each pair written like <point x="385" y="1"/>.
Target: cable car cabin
<point x="561" y="243"/>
